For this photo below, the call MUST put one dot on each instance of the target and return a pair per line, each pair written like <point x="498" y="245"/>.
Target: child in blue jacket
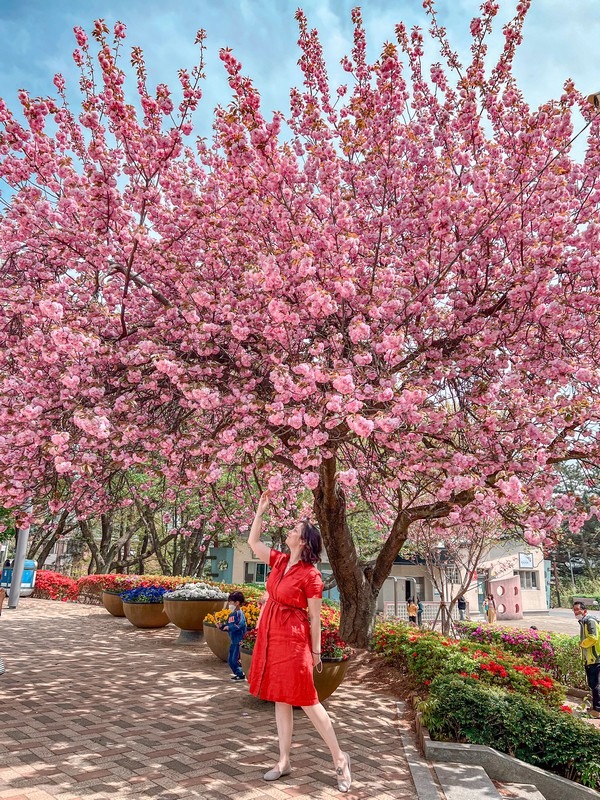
<point x="236" y="628"/>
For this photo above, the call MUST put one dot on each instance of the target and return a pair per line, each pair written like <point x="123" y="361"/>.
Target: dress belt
<point x="290" y="609"/>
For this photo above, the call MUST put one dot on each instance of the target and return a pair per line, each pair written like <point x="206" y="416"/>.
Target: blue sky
<point x="561" y="38"/>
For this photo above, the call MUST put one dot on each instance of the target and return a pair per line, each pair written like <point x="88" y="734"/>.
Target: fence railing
<point x="430" y="610"/>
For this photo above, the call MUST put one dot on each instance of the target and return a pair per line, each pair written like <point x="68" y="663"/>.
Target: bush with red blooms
<point x="54" y="586"/>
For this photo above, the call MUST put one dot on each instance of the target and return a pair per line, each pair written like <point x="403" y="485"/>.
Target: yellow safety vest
<point x="590" y="640"/>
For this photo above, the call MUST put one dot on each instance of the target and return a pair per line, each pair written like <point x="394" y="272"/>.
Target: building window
<point x="254" y="573"/>
<point x="453" y="575"/>
<point x="529" y="580"/>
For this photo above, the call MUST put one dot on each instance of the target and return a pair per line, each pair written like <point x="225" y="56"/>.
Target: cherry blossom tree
<point x="391" y="302"/>
<point x="451" y="555"/>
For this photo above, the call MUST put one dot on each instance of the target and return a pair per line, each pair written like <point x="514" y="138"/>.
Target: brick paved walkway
<point x="92" y="708"/>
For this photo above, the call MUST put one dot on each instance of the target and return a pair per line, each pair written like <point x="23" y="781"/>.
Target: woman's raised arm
<point x="259" y="548"/>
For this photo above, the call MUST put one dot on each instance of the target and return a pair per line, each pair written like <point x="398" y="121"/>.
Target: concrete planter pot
<point x="217" y="640"/>
<point x="326" y="682"/>
<point x="189" y="615"/>
<point x="246" y="659"/>
<point x="146" y="615"/>
<point x="112" y="603"/>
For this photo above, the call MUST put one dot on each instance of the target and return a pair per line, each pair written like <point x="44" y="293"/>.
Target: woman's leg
<point x="322" y="722"/>
<point x="284" y="719"/>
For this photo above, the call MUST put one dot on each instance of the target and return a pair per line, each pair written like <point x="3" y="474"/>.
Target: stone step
<point x="520" y="791"/>
<point x="465" y="782"/>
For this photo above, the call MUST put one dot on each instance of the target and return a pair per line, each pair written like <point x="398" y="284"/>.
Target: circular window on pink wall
<point x="501" y="608"/>
<point x="517" y="609"/>
<point x="500" y="591"/>
<point x="516" y="590"/>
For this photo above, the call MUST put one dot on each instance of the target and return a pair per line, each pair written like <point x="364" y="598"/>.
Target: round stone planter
<point x="189" y="615"/>
<point x="217" y="640"/>
<point x="326" y="682"/>
<point x="112" y="603"/>
<point x="146" y="615"/>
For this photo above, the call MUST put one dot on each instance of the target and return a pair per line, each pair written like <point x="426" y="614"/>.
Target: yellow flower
<point x="251" y="612"/>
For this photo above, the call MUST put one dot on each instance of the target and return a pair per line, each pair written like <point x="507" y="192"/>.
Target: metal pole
<point x="18" y="563"/>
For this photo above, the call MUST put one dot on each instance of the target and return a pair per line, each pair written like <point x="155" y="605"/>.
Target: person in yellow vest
<point x="589" y="642"/>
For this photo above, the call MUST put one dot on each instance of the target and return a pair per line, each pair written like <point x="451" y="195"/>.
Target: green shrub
<point x="461" y="709"/>
<point x="568" y="662"/>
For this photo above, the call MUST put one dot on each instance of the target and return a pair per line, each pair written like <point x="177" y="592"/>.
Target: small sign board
<point x="525" y="560"/>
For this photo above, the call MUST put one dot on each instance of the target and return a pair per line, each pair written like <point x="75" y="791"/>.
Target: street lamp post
<point x="19" y="562"/>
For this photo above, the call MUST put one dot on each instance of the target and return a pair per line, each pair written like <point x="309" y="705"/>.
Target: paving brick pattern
<point x="92" y="708"/>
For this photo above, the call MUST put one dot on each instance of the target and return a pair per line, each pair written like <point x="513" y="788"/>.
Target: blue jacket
<point x="236" y="624"/>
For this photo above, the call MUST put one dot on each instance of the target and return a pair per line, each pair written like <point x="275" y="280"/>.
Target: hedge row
<point x="460" y="709"/>
<point x="490" y="688"/>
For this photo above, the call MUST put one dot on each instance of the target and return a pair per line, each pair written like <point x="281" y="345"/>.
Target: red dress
<point x="282" y="665"/>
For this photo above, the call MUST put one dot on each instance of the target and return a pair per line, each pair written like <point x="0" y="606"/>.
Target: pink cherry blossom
<point x="381" y="299"/>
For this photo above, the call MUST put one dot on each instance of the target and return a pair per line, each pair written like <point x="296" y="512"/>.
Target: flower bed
<point x="251" y="612"/>
<point x="534" y="643"/>
<point x="196" y="591"/>
<point x="427" y="655"/>
<point x="89" y="588"/>
<point x="108" y="583"/>
<point x="559" y="654"/>
<point x="144" y="594"/>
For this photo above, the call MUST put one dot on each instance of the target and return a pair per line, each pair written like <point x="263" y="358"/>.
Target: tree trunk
<point x="357" y="598"/>
<point x="358" y="584"/>
<point x="557" y="583"/>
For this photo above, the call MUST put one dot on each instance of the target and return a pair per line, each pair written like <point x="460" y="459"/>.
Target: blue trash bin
<point x="27" y="581"/>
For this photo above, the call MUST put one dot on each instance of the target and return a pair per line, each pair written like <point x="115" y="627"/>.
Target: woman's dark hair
<point x="313" y="544"/>
<point x="237" y="597"/>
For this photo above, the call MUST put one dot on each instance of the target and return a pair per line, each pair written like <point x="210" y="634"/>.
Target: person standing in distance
<point x="589" y="636"/>
<point x="412" y="612"/>
<point x="420" y="612"/>
<point x="462" y="607"/>
<point x="489" y="608"/>
<point x="288" y="643"/>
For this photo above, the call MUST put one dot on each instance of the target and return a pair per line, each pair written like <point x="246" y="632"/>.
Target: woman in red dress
<point x="288" y="644"/>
